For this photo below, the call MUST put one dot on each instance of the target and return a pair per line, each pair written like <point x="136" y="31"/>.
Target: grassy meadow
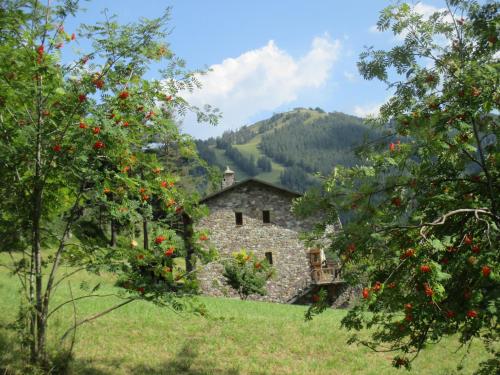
<point x="253" y="338"/>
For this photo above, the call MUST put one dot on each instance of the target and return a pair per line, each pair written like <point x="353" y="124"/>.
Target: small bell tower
<point x="228" y="179"/>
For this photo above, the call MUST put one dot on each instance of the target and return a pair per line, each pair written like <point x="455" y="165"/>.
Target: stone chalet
<point x="256" y="216"/>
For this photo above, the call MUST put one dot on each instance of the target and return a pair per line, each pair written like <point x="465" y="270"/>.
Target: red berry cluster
<point x="169" y="251"/>
<point x="425" y="268"/>
<point x="160" y="239"/>
<point x="428" y="290"/>
<point x="123" y="95"/>
<point x="366" y="293"/>
<point x="98" y="145"/>
<point x="408" y="253"/>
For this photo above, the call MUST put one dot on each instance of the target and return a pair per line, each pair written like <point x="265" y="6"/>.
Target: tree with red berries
<point x="80" y="135"/>
<point x="422" y="214"/>
<point x="247" y="274"/>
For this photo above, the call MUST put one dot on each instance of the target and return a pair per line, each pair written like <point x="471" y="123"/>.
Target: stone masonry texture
<point x="280" y="237"/>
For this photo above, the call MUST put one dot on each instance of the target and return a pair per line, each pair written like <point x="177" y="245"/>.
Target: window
<point x="269" y="256"/>
<point x="239" y="218"/>
<point x="266" y="217"/>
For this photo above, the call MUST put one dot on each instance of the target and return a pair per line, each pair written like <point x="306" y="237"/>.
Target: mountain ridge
<point x="289" y="148"/>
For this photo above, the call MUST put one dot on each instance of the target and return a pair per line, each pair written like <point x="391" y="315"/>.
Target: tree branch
<point x="66" y="276"/>
<point x="72" y="300"/>
<point x="485" y="169"/>
<point x="60" y="250"/>
<point x="441" y="220"/>
<point x="74" y="318"/>
<point x="15" y="271"/>
<point x="93" y="317"/>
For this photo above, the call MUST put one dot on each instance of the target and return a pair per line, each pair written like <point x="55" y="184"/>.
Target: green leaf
<point x="441" y="276"/>
<point x="437" y="244"/>
<point x="492" y="308"/>
<point x="95" y="288"/>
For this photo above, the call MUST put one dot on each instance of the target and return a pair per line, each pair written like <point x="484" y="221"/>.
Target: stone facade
<point x="339" y="295"/>
<point x="280" y="237"/>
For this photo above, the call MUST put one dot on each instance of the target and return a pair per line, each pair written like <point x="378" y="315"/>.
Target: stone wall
<point x="280" y="237"/>
<point x="339" y="295"/>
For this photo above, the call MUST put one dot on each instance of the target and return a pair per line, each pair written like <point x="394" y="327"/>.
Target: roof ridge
<point x="236" y="184"/>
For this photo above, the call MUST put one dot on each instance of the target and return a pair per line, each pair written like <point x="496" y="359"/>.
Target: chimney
<point x="228" y="179"/>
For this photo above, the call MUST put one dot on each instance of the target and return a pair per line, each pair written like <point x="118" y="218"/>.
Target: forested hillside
<point x="289" y="148"/>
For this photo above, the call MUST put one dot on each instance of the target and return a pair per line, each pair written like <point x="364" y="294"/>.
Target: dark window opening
<point x="239" y="218"/>
<point x="266" y="216"/>
<point x="269" y="257"/>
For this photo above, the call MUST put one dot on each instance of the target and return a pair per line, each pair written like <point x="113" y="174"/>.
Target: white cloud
<point x="261" y="80"/>
<point x="425" y="10"/>
<point x="350" y="76"/>
<point x="428" y="10"/>
<point x="367" y="110"/>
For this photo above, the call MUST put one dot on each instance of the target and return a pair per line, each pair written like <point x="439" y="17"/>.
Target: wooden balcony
<point x="326" y="275"/>
<point x="323" y="271"/>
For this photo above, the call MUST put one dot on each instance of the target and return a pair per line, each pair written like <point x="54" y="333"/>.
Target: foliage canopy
<point x="423" y="228"/>
<point x="82" y="139"/>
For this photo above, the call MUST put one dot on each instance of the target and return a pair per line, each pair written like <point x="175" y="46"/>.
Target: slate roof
<point x="249" y="181"/>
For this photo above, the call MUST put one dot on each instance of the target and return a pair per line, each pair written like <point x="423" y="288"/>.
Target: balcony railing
<point x="326" y="275"/>
<point x="323" y="271"/>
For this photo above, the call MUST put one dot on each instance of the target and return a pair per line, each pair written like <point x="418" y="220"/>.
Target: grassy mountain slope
<point x="298" y="144"/>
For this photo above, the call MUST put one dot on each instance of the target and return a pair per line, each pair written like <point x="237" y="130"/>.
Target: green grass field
<point x="254" y="338"/>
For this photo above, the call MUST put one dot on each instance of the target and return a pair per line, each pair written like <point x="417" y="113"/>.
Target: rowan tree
<point x="247" y="274"/>
<point x="74" y="138"/>
<point x="421" y="234"/>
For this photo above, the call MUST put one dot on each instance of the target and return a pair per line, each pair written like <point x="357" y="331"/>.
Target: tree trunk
<point x="145" y="232"/>
<point x="101" y="225"/>
<point x="145" y="224"/>
<point x="38" y="347"/>
<point x="37" y="315"/>
<point x="187" y="235"/>
<point x="38" y="331"/>
<point x="32" y="315"/>
<point x="113" y="233"/>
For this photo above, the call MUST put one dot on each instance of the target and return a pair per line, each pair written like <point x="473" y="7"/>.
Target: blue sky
<point x="269" y="56"/>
